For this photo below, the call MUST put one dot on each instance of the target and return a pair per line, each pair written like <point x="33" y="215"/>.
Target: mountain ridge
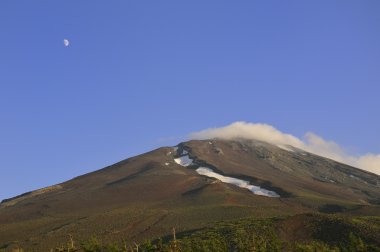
<point x="143" y="197"/>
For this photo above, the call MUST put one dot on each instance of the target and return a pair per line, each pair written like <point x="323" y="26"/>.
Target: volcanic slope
<point x="144" y="197"/>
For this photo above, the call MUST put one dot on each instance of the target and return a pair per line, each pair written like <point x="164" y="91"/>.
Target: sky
<point x="137" y="75"/>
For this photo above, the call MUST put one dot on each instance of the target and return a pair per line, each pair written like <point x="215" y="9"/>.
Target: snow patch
<point x="166" y="164"/>
<point x="204" y="171"/>
<point x="285" y="147"/>
<point x="238" y="182"/>
<point x="354" y="177"/>
<point x="184" y="161"/>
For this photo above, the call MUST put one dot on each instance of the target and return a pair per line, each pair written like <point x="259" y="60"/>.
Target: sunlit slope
<point x="296" y="173"/>
<point x="145" y="196"/>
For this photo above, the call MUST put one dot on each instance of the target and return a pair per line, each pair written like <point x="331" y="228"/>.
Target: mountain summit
<point x="187" y="187"/>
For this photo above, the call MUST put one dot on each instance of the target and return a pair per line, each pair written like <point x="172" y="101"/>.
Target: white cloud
<point x="310" y="142"/>
<point x="369" y="162"/>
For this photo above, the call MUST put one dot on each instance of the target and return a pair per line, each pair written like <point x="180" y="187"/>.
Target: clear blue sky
<point x="139" y="71"/>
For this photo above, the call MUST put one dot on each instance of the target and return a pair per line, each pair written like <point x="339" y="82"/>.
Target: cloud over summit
<point x="310" y="142"/>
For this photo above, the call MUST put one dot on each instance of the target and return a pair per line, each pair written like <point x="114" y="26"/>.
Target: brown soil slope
<point x="145" y="196"/>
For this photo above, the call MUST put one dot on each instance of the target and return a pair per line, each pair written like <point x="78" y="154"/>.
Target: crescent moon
<point x="66" y="42"/>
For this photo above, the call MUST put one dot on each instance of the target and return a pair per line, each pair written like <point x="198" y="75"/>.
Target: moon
<point x="66" y="42"/>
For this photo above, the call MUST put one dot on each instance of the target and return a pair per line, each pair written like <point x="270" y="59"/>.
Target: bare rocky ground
<point x="144" y="197"/>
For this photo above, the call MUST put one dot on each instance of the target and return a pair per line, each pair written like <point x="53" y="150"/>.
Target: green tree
<point x="91" y="245"/>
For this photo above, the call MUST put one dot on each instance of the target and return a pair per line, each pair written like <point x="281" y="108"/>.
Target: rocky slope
<point x="145" y="196"/>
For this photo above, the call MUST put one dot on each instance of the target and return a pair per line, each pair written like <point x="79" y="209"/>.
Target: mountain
<point x="188" y="187"/>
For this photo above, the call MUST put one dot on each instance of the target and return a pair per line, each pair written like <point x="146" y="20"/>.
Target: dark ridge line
<point x="146" y="168"/>
<point x="16" y="197"/>
<point x="196" y="190"/>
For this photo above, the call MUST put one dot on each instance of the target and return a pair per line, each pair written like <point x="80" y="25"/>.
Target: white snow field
<point x="184" y="160"/>
<point x="238" y="182"/>
<point x="204" y="171"/>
